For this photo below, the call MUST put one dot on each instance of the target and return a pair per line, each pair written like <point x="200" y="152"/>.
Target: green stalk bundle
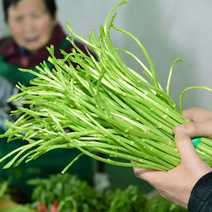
<point x="100" y="107"/>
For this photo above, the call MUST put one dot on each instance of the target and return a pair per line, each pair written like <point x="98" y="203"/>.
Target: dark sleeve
<point x="201" y="195"/>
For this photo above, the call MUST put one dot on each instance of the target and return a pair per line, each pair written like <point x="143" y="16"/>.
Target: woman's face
<point x="31" y="24"/>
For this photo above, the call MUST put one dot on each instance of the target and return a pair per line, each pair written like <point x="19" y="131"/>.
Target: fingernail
<point x="179" y="130"/>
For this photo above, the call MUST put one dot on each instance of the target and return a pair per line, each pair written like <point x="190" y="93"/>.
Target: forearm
<point x="201" y="195"/>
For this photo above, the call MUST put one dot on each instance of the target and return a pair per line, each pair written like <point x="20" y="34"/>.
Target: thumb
<point x="185" y="146"/>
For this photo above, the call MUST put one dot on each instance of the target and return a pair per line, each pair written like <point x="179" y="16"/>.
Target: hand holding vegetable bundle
<point x="185" y="185"/>
<point x="106" y="106"/>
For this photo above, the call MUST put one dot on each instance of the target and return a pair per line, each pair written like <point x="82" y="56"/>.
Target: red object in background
<point x="43" y="208"/>
<point x="54" y="206"/>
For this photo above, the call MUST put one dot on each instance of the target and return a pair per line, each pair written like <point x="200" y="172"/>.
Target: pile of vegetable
<point x="66" y="193"/>
<point x="100" y="107"/>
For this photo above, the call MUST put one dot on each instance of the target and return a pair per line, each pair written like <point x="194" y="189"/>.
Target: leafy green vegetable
<point x="160" y="204"/>
<point x="70" y="192"/>
<point x="4" y="190"/>
<point x="107" y="107"/>
<point x="75" y="195"/>
<point x="131" y="199"/>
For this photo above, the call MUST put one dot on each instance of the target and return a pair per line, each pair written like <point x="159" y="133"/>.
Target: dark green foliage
<point x="69" y="191"/>
<point x="131" y="199"/>
<point x="159" y="204"/>
<point x="74" y="195"/>
<point x="77" y="196"/>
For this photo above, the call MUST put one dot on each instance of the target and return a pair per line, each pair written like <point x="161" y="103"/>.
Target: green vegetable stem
<point x="100" y="107"/>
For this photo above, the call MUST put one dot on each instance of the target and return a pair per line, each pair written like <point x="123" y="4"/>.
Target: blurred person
<point x="33" y="25"/>
<point x="5" y="93"/>
<point x="189" y="185"/>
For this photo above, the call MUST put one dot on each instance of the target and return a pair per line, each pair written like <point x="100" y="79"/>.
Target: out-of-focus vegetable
<point x="106" y="106"/>
<point x="68" y="192"/>
<point x="65" y="193"/>
<point x="75" y="195"/>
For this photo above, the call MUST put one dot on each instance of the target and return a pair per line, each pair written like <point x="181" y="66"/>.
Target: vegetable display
<point x="67" y="193"/>
<point x="100" y="107"/>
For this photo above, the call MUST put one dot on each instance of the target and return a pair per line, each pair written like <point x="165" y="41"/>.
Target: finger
<point x="141" y="172"/>
<point x="149" y="175"/>
<point x="185" y="146"/>
<point x="199" y="129"/>
<point x="197" y="114"/>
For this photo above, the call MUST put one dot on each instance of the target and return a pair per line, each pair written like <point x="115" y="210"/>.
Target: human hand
<point x="200" y="122"/>
<point x="176" y="185"/>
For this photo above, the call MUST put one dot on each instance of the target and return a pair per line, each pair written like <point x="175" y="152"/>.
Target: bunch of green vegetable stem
<point x="100" y="107"/>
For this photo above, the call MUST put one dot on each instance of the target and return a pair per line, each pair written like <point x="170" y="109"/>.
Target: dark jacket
<point x="201" y="195"/>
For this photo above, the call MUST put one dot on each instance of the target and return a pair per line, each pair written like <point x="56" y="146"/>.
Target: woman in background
<point x="33" y="26"/>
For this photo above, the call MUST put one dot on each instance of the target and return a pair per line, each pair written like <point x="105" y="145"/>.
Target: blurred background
<point x="168" y="30"/>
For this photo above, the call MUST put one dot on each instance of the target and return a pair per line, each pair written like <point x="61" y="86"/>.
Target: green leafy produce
<point x="4" y="190"/>
<point x="69" y="191"/>
<point x="159" y="204"/>
<point x="130" y="199"/>
<point x="74" y="195"/>
<point x="106" y="106"/>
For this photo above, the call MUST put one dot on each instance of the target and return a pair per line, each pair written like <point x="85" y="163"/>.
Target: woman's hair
<point x="50" y="6"/>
